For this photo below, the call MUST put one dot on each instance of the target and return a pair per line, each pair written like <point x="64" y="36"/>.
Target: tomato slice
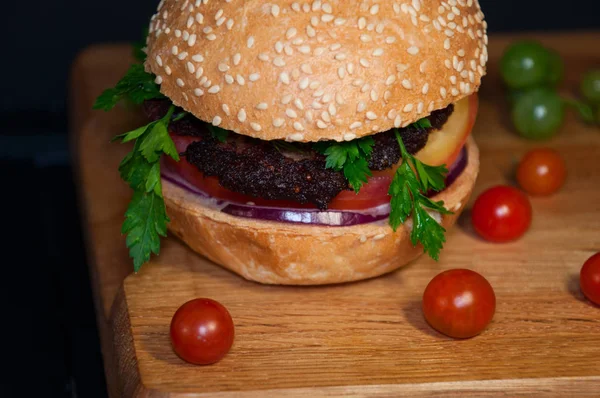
<point x="443" y="147"/>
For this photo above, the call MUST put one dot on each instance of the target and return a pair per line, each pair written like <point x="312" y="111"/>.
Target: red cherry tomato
<point x="541" y="172"/>
<point x="501" y="214"/>
<point x="202" y="331"/>
<point x="589" y="279"/>
<point x="459" y="303"/>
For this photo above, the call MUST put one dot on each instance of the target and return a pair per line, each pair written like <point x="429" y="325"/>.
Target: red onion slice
<point x="333" y="218"/>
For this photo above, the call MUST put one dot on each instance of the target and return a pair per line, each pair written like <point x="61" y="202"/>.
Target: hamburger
<point x="303" y="142"/>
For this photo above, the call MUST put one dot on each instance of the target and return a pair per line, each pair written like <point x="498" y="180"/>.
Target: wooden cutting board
<point x="365" y="338"/>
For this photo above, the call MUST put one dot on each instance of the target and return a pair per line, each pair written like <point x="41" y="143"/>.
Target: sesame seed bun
<point x="295" y="254"/>
<point x="316" y="71"/>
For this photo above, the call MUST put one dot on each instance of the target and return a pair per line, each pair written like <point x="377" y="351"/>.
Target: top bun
<point x="324" y="70"/>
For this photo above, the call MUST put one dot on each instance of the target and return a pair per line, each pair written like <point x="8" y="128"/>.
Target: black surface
<point x="49" y="328"/>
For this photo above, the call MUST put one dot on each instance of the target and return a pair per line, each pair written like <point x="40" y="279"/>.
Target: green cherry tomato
<point x="590" y="86"/>
<point x="538" y="113"/>
<point x="525" y="64"/>
<point x="556" y="68"/>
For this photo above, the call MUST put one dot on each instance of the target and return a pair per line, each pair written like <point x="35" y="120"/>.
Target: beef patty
<point x="279" y="170"/>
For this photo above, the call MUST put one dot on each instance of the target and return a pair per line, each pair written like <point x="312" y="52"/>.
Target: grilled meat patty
<point x="279" y="170"/>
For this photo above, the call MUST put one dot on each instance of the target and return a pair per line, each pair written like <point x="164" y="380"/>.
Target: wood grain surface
<point x="367" y="338"/>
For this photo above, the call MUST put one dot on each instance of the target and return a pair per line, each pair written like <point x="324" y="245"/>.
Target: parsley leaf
<point x="427" y="231"/>
<point x="351" y="157"/>
<point x="146" y="219"/>
<point x="423" y="123"/>
<point x="137" y="85"/>
<point x="585" y="111"/>
<point x="145" y="222"/>
<point x="413" y="178"/>
<point x="218" y="133"/>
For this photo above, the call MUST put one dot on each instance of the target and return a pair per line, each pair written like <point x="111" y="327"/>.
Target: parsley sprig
<point x="412" y="179"/>
<point x="137" y="86"/>
<point x="351" y="157"/>
<point x="146" y="218"/>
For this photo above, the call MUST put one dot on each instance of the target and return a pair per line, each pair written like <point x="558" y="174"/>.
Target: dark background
<point x="49" y="321"/>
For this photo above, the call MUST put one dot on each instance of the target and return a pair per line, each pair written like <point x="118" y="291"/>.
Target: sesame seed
<point x="327" y="17"/>
<point x="198" y="58"/>
<point x="198" y="92"/>
<point x="443" y="92"/>
<point x="325" y="116"/>
<point x="279" y="47"/>
<point x="298" y="126"/>
<point x="314" y="21"/>
<point x="303" y="83"/>
<point x="361" y="106"/>
<point x="448" y="64"/>
<point x="339" y="21"/>
<point x="341" y="72"/>
<point x="299" y="104"/>
<point x="449" y="32"/>
<point x="174" y="50"/>
<point x="291" y="113"/>
<point x="255" y="126"/>
<point x="425" y="88"/>
<point x="304" y="49"/>
<point x="374" y="95"/>
<point x="216" y="120"/>
<point x="354" y="126"/>
<point x="240" y="79"/>
<point x="364" y="63"/>
<point x="390" y="40"/>
<point x="420" y="106"/>
<point x="207" y="84"/>
<point x="284" y="77"/>
<point x="190" y="22"/>
<point x="366" y="87"/>
<point x="241" y="115"/>
<point x="378" y="52"/>
<point x="225" y="109"/>
<point x="296" y="137"/>
<point x="211" y="37"/>
<point x="332" y="109"/>
<point x="374" y="9"/>
<point x="321" y="124"/>
<point x="314" y="85"/>
<point x="371" y="115"/>
<point x="275" y="10"/>
<point x="406" y="84"/>
<point x="278" y="122"/>
<point x="286" y="99"/>
<point x="229" y="79"/>
<point x="223" y="67"/>
<point x="159" y="61"/>
<point x="310" y="31"/>
<point x="447" y="44"/>
<point x="250" y="42"/>
<point x="291" y="32"/>
<point x="455" y="92"/>
<point x="278" y="61"/>
<point x="408" y="108"/>
<point x="340" y="56"/>
<point x="221" y="21"/>
<point x="237" y="58"/>
<point x="398" y="121"/>
<point x="177" y="33"/>
<point x="214" y="89"/>
<point x="158" y="80"/>
<point x="413" y="50"/>
<point x="168" y="70"/>
<point x="229" y="24"/>
<point x="390" y="80"/>
<point x="182" y="55"/>
<point x="327" y="8"/>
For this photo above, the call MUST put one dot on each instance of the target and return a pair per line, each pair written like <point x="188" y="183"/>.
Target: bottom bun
<point x="296" y="254"/>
